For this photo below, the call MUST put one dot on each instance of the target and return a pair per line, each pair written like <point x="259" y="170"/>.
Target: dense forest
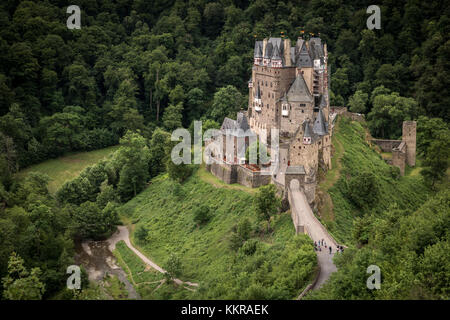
<point x="136" y="70"/>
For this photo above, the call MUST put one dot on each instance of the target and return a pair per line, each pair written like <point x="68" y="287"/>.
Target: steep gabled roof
<point x="242" y="122"/>
<point x="277" y="42"/>
<point x="276" y="53"/>
<point x="323" y="102"/>
<point x="299" y="90"/>
<point x="303" y="59"/>
<point x="234" y="127"/>
<point x="319" y="127"/>
<point x="228" y="124"/>
<point x="258" y="49"/>
<point x="268" y="51"/>
<point x="307" y="131"/>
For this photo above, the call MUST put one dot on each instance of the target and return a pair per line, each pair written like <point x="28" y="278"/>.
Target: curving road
<point x="316" y="231"/>
<point x="122" y="233"/>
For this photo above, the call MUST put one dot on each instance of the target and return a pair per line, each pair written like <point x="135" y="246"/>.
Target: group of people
<point x="321" y="243"/>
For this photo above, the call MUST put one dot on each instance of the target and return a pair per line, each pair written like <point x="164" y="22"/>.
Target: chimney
<point x="287" y="52"/>
<point x="264" y="46"/>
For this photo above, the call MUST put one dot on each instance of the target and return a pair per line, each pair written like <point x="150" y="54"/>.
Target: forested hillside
<point x="135" y="65"/>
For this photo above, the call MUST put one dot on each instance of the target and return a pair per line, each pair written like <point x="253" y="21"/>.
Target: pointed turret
<point x="299" y="90"/>
<point x="277" y="61"/>
<point x="319" y="125"/>
<point x="258" y="54"/>
<point x="307" y="133"/>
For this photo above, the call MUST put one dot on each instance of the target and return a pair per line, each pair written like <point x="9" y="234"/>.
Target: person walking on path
<point x="330" y="249"/>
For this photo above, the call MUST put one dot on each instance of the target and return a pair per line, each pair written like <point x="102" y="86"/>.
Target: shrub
<point x="202" y="214"/>
<point x="249" y="247"/>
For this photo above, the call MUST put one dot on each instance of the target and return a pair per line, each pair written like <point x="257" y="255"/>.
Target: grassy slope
<point x="67" y="167"/>
<point x="204" y="251"/>
<point x="353" y="154"/>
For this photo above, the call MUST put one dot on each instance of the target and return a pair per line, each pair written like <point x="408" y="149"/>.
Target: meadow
<point x="67" y="167"/>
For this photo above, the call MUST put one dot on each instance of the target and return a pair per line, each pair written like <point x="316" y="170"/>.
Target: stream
<point x="99" y="262"/>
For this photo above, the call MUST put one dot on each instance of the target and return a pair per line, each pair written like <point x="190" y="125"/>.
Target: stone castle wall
<point x="399" y="157"/>
<point x="273" y="84"/>
<point x="306" y="155"/>
<point x="403" y="151"/>
<point x="386" y="145"/>
<point x="234" y="173"/>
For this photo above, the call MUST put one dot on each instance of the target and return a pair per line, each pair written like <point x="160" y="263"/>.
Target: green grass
<point x="115" y="288"/>
<point x="67" y="167"/>
<point x="147" y="281"/>
<point x="357" y="155"/>
<point x="213" y="180"/>
<point x="205" y="251"/>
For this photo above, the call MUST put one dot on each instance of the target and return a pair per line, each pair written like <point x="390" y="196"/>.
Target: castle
<point x="288" y="91"/>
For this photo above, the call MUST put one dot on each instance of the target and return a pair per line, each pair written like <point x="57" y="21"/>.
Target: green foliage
<point x="202" y="214"/>
<point x="388" y="113"/>
<point x="173" y="267"/>
<point x="358" y="102"/>
<point x="280" y="264"/>
<point x="437" y="159"/>
<point x="241" y="233"/>
<point x="227" y="101"/>
<point x="21" y="284"/>
<point x="179" y="172"/>
<point x="172" y="116"/>
<point x="91" y="222"/>
<point x="410" y="246"/>
<point x="133" y="159"/>
<point x="141" y="233"/>
<point x="363" y="190"/>
<point x="266" y="202"/>
<point x="362" y="168"/>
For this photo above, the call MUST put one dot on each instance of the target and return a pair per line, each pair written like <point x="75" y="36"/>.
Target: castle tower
<point x="409" y="137"/>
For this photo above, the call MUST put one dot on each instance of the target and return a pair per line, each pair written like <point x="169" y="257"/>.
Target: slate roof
<point x="276" y="53"/>
<point x="268" y="51"/>
<point x="323" y="101"/>
<point x="232" y="127"/>
<point x="242" y="122"/>
<point x="258" y="49"/>
<point x="319" y="127"/>
<point x="303" y="59"/>
<point x="307" y="131"/>
<point x="299" y="90"/>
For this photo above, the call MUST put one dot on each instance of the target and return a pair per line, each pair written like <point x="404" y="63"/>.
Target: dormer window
<point x="306" y="140"/>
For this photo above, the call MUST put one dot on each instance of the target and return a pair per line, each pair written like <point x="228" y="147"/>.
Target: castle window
<point x="271" y="84"/>
<point x="303" y="111"/>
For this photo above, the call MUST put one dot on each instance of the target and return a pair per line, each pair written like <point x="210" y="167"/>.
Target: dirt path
<point x="122" y="233"/>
